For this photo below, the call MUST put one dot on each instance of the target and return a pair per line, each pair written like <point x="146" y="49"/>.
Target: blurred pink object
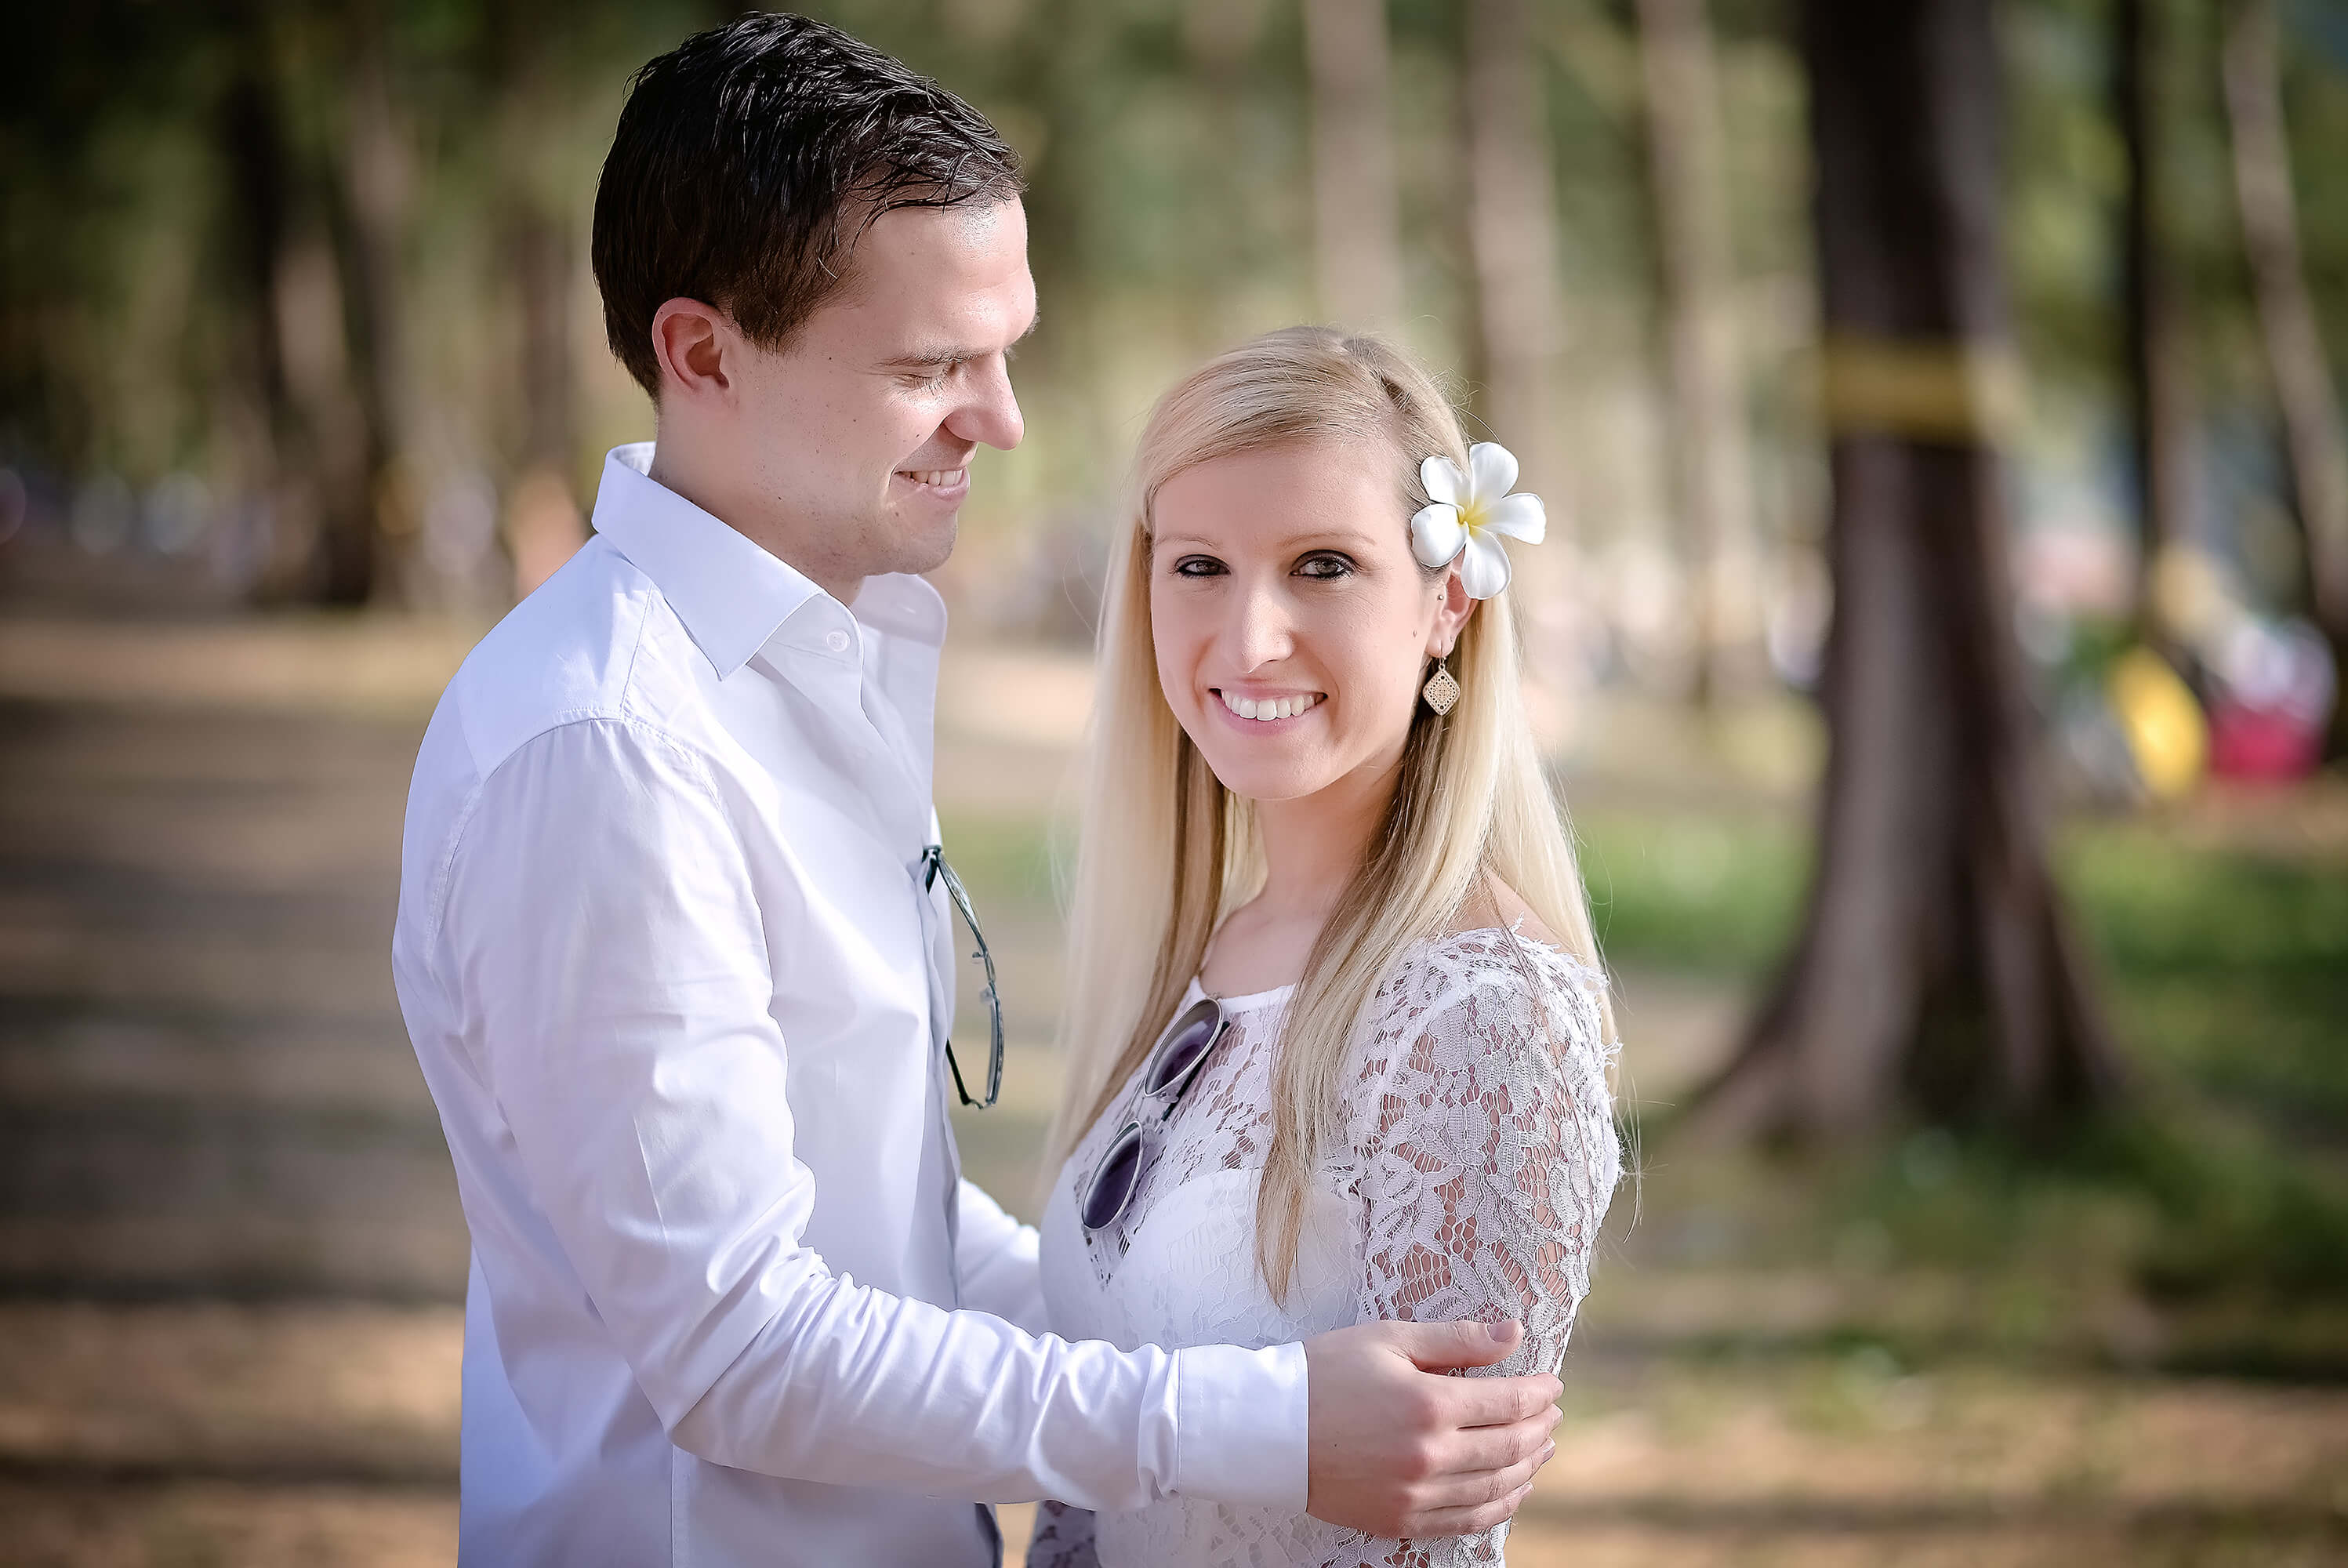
<point x="2261" y="743"/>
<point x="2273" y="695"/>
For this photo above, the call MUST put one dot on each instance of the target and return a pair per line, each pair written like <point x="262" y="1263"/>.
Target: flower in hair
<point x="1466" y="513"/>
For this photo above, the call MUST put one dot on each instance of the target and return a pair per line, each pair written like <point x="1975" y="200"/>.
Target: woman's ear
<point x="1449" y="616"/>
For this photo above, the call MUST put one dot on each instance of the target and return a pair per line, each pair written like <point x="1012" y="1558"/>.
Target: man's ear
<point x="693" y="342"/>
<point x="1449" y="616"/>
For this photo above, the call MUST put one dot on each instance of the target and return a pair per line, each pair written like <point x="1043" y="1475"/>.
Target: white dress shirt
<point x="678" y="991"/>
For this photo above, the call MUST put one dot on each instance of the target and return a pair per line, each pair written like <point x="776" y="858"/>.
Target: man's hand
<point x="1396" y="1448"/>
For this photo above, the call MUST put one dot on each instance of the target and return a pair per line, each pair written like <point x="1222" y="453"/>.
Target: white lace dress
<point x="1478" y="1160"/>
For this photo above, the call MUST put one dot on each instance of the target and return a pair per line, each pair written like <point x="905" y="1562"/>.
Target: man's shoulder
<point x="595" y="648"/>
<point x="596" y="641"/>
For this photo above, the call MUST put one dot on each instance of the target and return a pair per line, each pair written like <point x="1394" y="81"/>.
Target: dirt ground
<point x="316" y="1433"/>
<point x="231" y="1252"/>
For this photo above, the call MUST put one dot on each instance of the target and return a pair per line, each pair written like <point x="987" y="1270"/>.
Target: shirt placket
<point x="903" y="815"/>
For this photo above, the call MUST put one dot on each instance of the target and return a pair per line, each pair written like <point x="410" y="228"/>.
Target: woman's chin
<point x="1266" y="782"/>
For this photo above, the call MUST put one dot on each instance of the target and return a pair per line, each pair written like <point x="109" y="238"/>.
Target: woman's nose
<point x="1260" y="629"/>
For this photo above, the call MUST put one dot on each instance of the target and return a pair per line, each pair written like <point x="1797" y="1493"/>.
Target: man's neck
<point x="687" y="480"/>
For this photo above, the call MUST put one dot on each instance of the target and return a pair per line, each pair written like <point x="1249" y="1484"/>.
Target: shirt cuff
<point x="1240" y="1424"/>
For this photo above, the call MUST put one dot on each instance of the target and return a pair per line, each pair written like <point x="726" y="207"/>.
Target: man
<point x="676" y="966"/>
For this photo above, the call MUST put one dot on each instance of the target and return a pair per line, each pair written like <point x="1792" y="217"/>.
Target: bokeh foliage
<point x="1167" y="142"/>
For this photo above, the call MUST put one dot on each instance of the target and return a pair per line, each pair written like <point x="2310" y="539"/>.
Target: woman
<point x="1337" y="1035"/>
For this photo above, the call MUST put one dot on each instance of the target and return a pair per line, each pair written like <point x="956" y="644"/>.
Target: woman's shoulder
<point x="1480" y="969"/>
<point x="1475" y="1016"/>
<point x="1486" y="986"/>
<point x="1497" y="947"/>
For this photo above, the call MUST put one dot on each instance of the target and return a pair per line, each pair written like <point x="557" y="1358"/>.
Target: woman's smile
<point x="1262" y="709"/>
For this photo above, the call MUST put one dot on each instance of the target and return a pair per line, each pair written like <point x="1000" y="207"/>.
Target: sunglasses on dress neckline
<point x="1167" y="1075"/>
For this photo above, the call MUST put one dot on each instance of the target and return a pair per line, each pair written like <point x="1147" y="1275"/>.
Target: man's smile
<point x="936" y="484"/>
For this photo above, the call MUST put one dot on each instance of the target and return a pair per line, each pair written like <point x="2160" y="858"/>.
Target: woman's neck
<point x="1311" y="848"/>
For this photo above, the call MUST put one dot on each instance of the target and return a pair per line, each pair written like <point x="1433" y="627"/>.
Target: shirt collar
<point x="732" y="594"/>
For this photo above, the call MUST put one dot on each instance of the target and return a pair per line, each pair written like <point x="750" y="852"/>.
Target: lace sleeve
<point x="1484" y="1153"/>
<point x="1063" y="1538"/>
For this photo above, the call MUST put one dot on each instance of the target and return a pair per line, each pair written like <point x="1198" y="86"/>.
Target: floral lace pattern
<point x="1063" y="1538"/>
<point x="1477" y="1161"/>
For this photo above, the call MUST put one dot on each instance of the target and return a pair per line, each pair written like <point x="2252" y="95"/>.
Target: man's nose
<point x="992" y="414"/>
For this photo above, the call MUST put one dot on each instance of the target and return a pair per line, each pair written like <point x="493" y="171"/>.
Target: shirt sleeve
<point x="1485" y="1155"/>
<point x="995" y="1258"/>
<point x="601" y="940"/>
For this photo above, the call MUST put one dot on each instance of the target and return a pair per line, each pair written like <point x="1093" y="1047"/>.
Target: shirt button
<point x="836" y="641"/>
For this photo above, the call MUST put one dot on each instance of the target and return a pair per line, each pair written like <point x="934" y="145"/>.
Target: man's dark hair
<point x="750" y="158"/>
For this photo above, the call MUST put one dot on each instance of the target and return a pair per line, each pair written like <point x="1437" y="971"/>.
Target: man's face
<point x="859" y="435"/>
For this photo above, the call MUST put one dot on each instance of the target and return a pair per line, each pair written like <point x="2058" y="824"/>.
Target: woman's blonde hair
<point x="1166" y="851"/>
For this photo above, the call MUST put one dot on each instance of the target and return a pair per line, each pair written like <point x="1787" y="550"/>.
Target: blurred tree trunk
<point x="1218" y="39"/>
<point x="1356" y="213"/>
<point x="366" y="544"/>
<point x="544" y="256"/>
<point x="259" y="223"/>
<point x="301" y="451"/>
<point x="1936" y="972"/>
<point x="1512" y="231"/>
<point x="2302" y="382"/>
<point x="2159" y="352"/>
<point x="543" y="524"/>
<point x="1709" y="472"/>
<point x="544" y="527"/>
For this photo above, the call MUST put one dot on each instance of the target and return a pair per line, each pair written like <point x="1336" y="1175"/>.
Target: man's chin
<point x="938" y="557"/>
<point x="927" y="548"/>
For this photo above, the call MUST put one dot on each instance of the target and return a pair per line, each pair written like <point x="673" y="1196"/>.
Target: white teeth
<point x="1269" y="708"/>
<point x="942" y="477"/>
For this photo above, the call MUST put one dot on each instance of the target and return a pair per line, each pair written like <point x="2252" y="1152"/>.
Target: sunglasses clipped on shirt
<point x="935" y="868"/>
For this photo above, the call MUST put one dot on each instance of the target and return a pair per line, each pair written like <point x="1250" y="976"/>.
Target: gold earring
<point x="1440" y="690"/>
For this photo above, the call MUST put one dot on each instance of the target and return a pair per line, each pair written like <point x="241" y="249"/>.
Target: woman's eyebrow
<point x="1328" y="537"/>
<point x="1317" y="539"/>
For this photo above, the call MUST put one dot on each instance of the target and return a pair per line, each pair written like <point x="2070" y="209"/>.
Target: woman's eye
<point x="1324" y="566"/>
<point x="1198" y="566"/>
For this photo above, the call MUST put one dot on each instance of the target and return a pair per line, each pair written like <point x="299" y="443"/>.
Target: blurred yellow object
<point x="2166" y="732"/>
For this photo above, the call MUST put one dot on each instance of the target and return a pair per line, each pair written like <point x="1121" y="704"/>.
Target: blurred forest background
<point x="1937" y="642"/>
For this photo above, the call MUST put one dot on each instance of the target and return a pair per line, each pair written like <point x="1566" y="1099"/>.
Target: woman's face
<point x="1293" y="625"/>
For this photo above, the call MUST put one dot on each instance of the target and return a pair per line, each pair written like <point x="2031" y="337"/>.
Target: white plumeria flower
<point x="1468" y="514"/>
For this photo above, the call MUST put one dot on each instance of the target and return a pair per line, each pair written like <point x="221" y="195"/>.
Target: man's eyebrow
<point x="930" y="357"/>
